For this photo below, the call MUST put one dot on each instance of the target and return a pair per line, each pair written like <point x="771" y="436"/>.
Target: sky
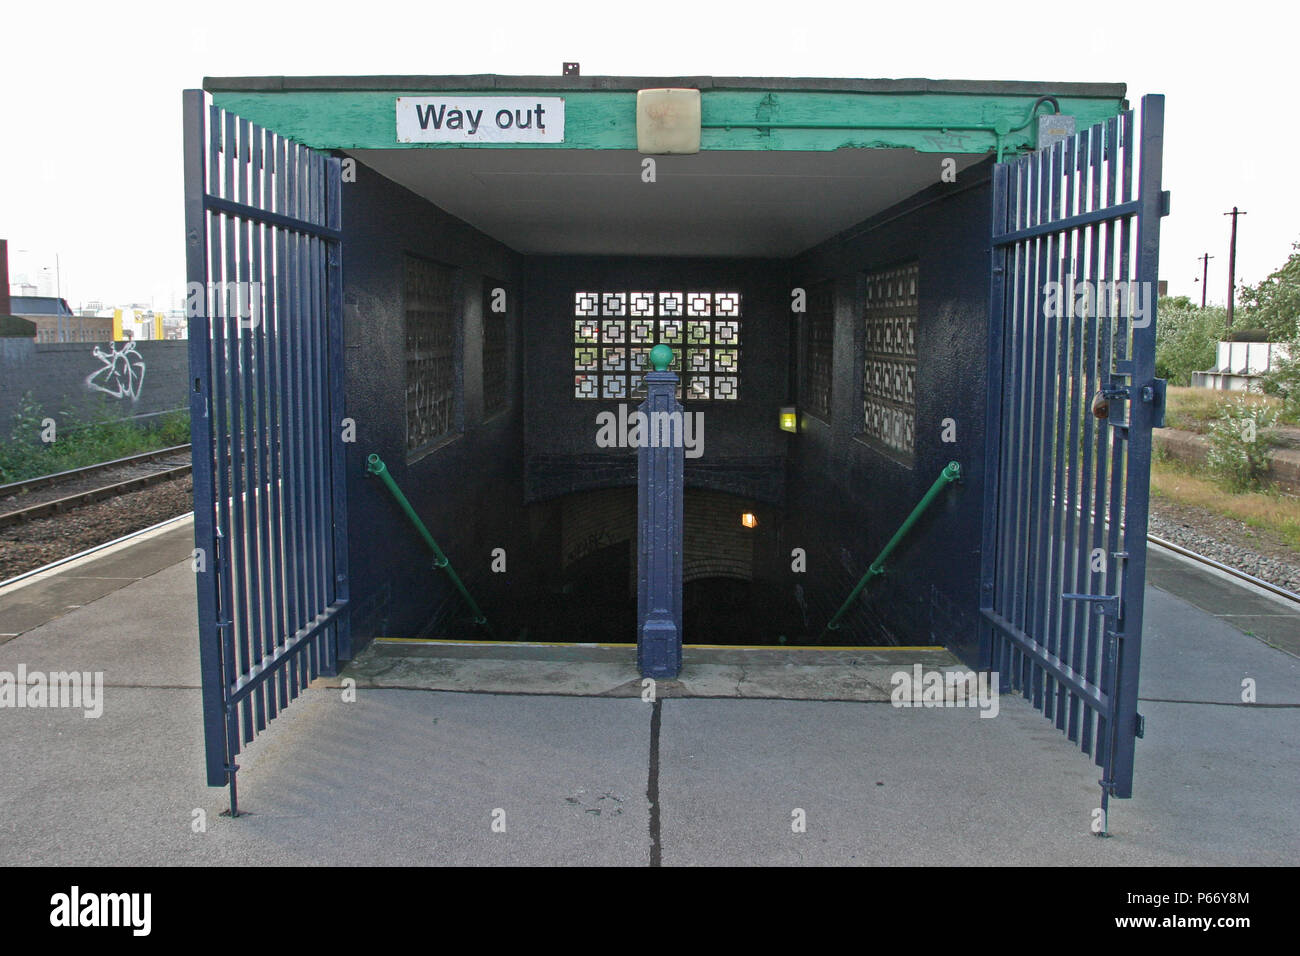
<point x="90" y="97"/>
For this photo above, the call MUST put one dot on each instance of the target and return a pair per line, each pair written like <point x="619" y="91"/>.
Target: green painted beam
<point x="792" y="120"/>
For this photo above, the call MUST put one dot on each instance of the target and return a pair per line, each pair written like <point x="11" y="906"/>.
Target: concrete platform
<point x="1271" y="619"/>
<point x="45" y="595"/>
<point x="419" y="775"/>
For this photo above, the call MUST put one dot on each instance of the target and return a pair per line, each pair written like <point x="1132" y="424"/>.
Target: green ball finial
<point x="661" y="356"/>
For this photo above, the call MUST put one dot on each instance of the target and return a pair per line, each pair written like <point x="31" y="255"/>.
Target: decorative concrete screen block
<point x="668" y="121"/>
<point x="431" y="318"/>
<point x="819" y="336"/>
<point x="613" y="333"/>
<point x="496" y="342"/>
<point x="889" y="370"/>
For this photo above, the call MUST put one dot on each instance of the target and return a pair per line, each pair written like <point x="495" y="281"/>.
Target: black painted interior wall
<point x="469" y="491"/>
<point x="847" y="497"/>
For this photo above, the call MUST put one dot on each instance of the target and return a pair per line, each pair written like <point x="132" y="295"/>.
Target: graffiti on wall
<point x="122" y="372"/>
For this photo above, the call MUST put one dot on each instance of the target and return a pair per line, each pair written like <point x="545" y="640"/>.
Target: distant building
<point x="1241" y="366"/>
<point x="137" y="324"/>
<point x="56" y="322"/>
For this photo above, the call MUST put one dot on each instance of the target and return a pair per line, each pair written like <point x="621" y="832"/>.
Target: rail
<point x="951" y="472"/>
<point x="376" y="467"/>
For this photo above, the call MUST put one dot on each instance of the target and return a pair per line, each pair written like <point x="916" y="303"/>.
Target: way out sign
<point x="480" y="119"/>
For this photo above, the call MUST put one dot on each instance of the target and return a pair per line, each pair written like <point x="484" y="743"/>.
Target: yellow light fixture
<point x="789" y="420"/>
<point x="749" y="519"/>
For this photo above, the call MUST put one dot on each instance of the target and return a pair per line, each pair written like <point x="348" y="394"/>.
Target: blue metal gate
<point x="263" y="263"/>
<point x="1072" y="401"/>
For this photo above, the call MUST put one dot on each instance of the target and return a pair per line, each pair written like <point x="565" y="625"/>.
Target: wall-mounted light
<point x="789" y="420"/>
<point x="749" y="519"/>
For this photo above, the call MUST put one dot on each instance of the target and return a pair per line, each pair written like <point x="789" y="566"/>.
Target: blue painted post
<point x="660" y="467"/>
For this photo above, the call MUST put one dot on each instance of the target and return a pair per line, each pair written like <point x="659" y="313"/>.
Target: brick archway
<point x="715" y="543"/>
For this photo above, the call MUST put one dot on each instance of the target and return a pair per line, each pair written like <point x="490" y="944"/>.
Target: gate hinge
<point x="1164" y="202"/>
<point x="1139" y="726"/>
<point x="1105" y="604"/>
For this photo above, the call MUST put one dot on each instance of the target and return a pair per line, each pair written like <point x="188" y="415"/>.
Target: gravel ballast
<point x="41" y="541"/>
<point x="26" y="546"/>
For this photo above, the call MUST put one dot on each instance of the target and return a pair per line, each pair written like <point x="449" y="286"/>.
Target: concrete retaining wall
<point x="1191" y="448"/>
<point x="85" y="379"/>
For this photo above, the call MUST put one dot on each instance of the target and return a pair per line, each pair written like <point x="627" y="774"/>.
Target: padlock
<point x="1101" y="405"/>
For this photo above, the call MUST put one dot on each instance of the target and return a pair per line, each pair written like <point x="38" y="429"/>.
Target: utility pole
<point x="1205" y="275"/>
<point x="1232" y="263"/>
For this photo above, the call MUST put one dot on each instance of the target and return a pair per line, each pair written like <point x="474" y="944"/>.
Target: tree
<point x="1274" y="304"/>
<point x="1187" y="338"/>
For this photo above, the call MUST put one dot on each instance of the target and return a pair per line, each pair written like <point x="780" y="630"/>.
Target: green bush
<point x="1187" y="339"/>
<point x="1238" y="452"/>
<point x="81" y="442"/>
<point x="1283" y="381"/>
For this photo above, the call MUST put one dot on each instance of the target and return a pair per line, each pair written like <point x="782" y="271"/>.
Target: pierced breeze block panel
<point x="613" y="333"/>
<point x="819" y="344"/>
<point x="496" y="330"/>
<point x="889" y="363"/>
<point x="430" y="290"/>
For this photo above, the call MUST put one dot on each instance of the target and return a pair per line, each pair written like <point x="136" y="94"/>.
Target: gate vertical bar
<point x="236" y="370"/>
<point x="221" y="352"/>
<point x="1089" y="186"/>
<point x="201" y="452"/>
<point x="279" y="693"/>
<point x="1141" y="419"/>
<point x="1048" y="503"/>
<point x="317" y="426"/>
<point x="334" y="324"/>
<point x="266" y="643"/>
<point x="1077" y="566"/>
<point x="993" y="429"/>
<point x="249" y="319"/>
<point x="1044" y="369"/>
<point x="1116" y="441"/>
<point x="291" y="427"/>
<point x="1010" y="514"/>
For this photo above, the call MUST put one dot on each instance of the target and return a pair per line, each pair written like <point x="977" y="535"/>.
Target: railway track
<point x="94" y="483"/>
<point x="162" y="465"/>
